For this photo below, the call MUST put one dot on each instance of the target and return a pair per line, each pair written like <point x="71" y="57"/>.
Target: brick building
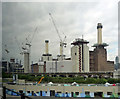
<point x="98" y="57"/>
<point x="98" y="60"/>
<point x="39" y="67"/>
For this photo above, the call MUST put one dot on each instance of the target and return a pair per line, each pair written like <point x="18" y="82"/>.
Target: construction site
<point x="60" y="50"/>
<point x="83" y="62"/>
<point x="82" y="59"/>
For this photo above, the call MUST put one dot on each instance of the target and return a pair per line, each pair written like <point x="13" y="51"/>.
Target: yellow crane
<point x="40" y="80"/>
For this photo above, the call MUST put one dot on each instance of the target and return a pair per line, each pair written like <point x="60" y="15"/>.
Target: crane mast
<point x="62" y="43"/>
<point x="26" y="50"/>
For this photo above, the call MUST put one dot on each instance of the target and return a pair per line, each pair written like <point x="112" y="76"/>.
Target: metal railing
<point x="21" y="94"/>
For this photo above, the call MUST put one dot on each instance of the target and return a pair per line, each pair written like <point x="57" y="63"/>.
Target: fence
<point x="20" y="94"/>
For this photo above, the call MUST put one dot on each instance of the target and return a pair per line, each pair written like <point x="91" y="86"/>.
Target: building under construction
<point x="82" y="60"/>
<point x="98" y="57"/>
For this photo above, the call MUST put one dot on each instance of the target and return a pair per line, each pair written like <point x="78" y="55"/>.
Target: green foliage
<point x="90" y="81"/>
<point x="112" y="80"/>
<point x="22" y="76"/>
<point x="80" y="80"/>
<point x="101" y="81"/>
<point x="118" y="80"/>
<point x="4" y="75"/>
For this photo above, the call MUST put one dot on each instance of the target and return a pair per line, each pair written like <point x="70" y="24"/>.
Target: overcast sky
<point x="74" y="19"/>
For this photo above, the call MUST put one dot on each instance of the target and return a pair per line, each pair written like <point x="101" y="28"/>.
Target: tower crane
<point x="25" y="50"/>
<point x="29" y="40"/>
<point x="62" y="42"/>
<point x="18" y="44"/>
<point x="27" y="44"/>
<point x="6" y="50"/>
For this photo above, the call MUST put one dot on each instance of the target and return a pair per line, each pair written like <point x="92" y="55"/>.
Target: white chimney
<point x="99" y="36"/>
<point x="46" y="44"/>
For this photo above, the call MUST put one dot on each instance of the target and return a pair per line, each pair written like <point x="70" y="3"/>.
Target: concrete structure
<point x="98" y="57"/>
<point x="39" y="67"/>
<point x="70" y="90"/>
<point x="97" y="74"/>
<point x="117" y="64"/>
<point x="26" y="62"/>
<point x="79" y="61"/>
<point x="5" y="66"/>
<point x="46" y="56"/>
<point x="59" y="66"/>
<point x="12" y="66"/>
<point x="42" y="67"/>
<point x="116" y="74"/>
<point x="61" y="56"/>
<point x="47" y="50"/>
<point x="80" y="56"/>
<point x="82" y="60"/>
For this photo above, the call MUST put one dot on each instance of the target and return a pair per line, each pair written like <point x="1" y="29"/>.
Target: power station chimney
<point x="46" y="44"/>
<point x="99" y="36"/>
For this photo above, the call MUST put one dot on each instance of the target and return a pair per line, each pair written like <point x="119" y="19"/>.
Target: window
<point x="21" y="91"/>
<point x="87" y="92"/>
<point x="59" y="92"/>
<point x="72" y="94"/>
<point x="119" y="93"/>
<point x="32" y="92"/>
<point x="48" y="58"/>
<point x="109" y="93"/>
<point x="40" y="93"/>
<point x="75" y="54"/>
<point x="76" y="93"/>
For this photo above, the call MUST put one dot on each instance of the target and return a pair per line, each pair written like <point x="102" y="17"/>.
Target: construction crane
<point x="40" y="80"/>
<point x="6" y="49"/>
<point x="18" y="44"/>
<point x="62" y="42"/>
<point x="25" y="50"/>
<point x="28" y="40"/>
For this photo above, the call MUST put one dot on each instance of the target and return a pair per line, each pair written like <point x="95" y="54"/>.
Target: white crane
<point x="62" y="42"/>
<point x="6" y="49"/>
<point x="26" y="46"/>
<point x="18" y="44"/>
<point x="25" y="50"/>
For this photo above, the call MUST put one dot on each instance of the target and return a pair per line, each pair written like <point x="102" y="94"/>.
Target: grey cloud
<point x="74" y="19"/>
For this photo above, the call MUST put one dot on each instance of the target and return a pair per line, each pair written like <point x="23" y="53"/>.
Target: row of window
<point x="76" y="93"/>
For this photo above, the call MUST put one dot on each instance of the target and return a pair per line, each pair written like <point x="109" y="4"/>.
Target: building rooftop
<point x="100" y="45"/>
<point x="47" y="55"/>
<point x="79" y="41"/>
